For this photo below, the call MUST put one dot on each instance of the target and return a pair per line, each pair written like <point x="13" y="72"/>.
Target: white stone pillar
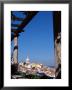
<point x="15" y="52"/>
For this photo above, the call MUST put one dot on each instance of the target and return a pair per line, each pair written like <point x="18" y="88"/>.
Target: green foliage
<point x="31" y="76"/>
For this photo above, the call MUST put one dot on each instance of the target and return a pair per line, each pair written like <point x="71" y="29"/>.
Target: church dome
<point x="27" y="60"/>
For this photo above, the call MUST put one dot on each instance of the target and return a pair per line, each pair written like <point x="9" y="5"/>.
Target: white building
<point x="21" y="63"/>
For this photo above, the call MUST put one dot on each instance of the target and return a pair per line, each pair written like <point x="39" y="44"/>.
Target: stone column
<point x="58" y="49"/>
<point x="58" y="55"/>
<point x="15" y="52"/>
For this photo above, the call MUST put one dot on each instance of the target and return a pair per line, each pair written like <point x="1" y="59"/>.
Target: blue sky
<point x="38" y="41"/>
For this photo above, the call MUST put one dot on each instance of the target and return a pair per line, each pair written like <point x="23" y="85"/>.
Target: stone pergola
<point x="16" y="29"/>
<point x="28" y="15"/>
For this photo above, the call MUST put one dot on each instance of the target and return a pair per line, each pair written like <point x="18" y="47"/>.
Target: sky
<point x="37" y="41"/>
